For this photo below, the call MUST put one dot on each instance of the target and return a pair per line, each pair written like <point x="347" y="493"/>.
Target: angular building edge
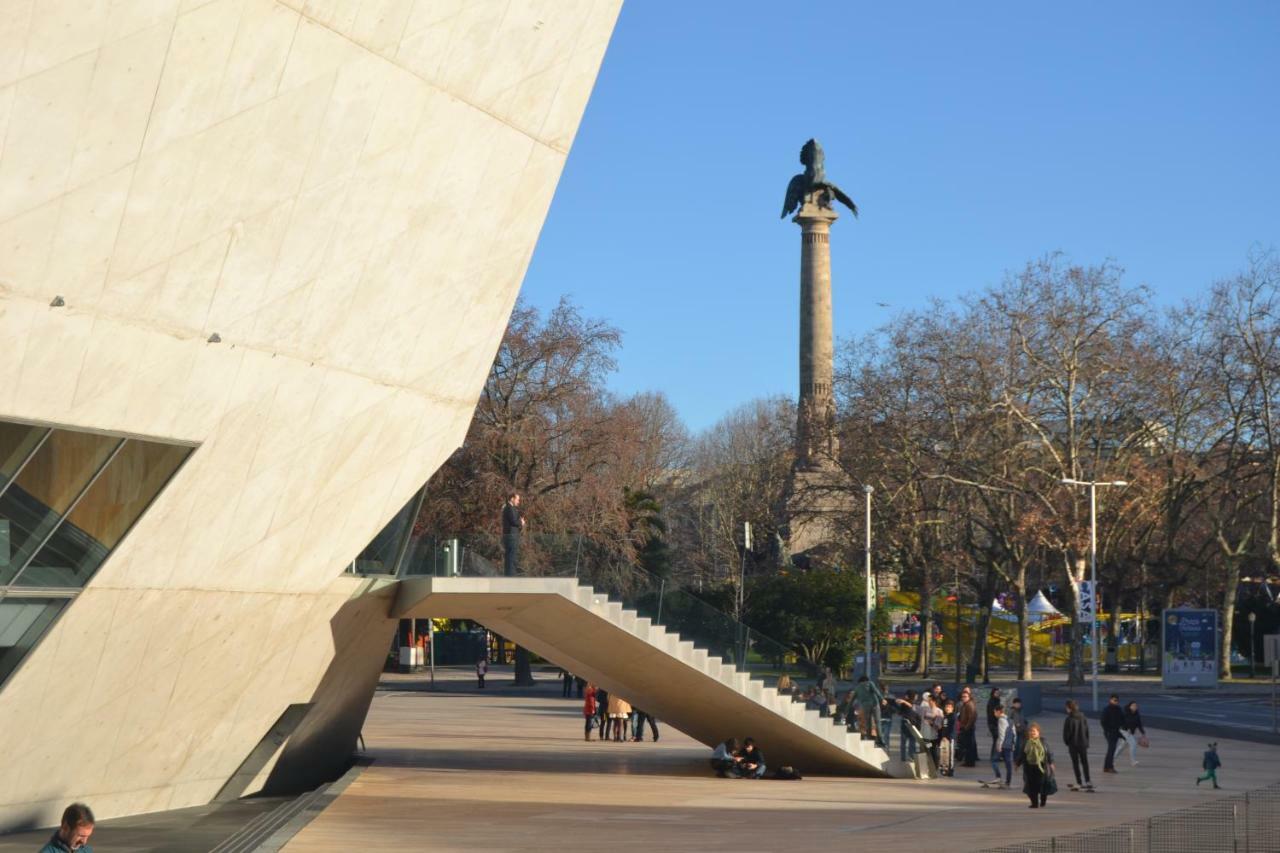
<point x="292" y="239"/>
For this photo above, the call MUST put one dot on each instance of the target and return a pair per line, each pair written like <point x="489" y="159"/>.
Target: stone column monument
<point x="818" y="495"/>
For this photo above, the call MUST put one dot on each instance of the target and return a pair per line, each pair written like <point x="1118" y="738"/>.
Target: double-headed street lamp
<point x="1093" y="565"/>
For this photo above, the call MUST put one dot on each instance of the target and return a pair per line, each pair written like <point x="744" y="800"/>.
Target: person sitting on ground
<point x="784" y="684"/>
<point x="74" y="831"/>
<point x="844" y="710"/>
<point x="752" y="763"/>
<point x="724" y="759"/>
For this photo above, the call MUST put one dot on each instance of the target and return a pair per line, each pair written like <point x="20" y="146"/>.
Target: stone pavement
<point x="503" y="769"/>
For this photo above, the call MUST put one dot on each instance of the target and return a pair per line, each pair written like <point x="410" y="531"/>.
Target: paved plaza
<point x="460" y="769"/>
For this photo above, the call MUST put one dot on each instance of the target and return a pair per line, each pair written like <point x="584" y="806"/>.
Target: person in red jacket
<point x="589" y="711"/>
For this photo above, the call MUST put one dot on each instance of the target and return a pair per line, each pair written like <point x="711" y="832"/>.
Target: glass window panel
<point x="378" y="556"/>
<point x="45" y="488"/>
<point x="16" y="443"/>
<point x="22" y="622"/>
<point x="101" y="518"/>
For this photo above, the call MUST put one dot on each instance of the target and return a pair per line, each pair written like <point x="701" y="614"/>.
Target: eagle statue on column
<point x="813" y="181"/>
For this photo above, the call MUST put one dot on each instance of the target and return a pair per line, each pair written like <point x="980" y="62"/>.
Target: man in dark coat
<point x="1075" y="734"/>
<point x="1112" y="723"/>
<point x="512" y="527"/>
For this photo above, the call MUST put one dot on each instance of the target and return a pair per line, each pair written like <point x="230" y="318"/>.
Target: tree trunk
<point x="926" y="630"/>
<point x="524" y="669"/>
<point x="987" y="593"/>
<point x="1113" y="628"/>
<point x="1024" y="637"/>
<point x="1075" y="671"/>
<point x="1231" y="582"/>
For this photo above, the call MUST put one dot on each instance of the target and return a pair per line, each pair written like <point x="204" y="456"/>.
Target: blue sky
<point x="974" y="137"/>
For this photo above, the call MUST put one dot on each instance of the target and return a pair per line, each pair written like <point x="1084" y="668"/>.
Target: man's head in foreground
<point x="77" y="826"/>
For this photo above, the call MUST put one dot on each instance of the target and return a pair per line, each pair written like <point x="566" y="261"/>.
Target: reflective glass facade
<point x="67" y="499"/>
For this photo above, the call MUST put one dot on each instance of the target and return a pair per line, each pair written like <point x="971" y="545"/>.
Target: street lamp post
<point x="867" y="490"/>
<point x="1093" y="566"/>
<point x="1253" y="641"/>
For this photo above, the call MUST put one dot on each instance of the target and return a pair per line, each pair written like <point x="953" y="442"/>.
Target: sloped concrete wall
<point x="348" y="195"/>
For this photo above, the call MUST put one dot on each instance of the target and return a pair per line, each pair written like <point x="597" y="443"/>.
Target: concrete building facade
<point x="274" y="243"/>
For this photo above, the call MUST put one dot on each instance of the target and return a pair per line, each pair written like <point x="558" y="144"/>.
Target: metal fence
<point x="1241" y="823"/>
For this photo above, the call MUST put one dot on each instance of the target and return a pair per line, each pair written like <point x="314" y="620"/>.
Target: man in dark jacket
<point x="992" y="703"/>
<point x="1075" y="734"/>
<point x="1112" y="723"/>
<point x="966" y="725"/>
<point x="512" y="527"/>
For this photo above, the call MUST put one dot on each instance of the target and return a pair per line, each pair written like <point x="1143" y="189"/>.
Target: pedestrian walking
<point x="1075" y="734"/>
<point x="1210" y="763"/>
<point x="567" y="689"/>
<point x="1002" y="752"/>
<point x="1037" y="769"/>
<point x="1132" y="732"/>
<point x="1112" y="725"/>
<point x="482" y="669"/>
<point x="868" y="698"/>
<point x="512" y="527"/>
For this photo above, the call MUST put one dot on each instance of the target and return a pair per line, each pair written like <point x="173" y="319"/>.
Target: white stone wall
<point x="348" y="193"/>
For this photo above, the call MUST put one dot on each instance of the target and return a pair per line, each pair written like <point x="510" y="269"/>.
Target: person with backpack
<point x="1075" y="734"/>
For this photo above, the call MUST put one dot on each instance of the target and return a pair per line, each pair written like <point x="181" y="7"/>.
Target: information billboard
<point x="1189" y="639"/>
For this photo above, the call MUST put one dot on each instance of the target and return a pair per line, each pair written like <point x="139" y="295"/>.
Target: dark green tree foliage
<point x="817" y="613"/>
<point x="648" y="531"/>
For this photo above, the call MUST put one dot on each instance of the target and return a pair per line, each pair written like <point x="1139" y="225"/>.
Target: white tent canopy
<point x="1040" y="607"/>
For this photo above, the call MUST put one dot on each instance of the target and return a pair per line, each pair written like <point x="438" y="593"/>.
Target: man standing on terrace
<point x="512" y="527"/>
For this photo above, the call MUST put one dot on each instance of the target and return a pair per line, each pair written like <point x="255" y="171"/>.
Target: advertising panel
<point x="1189" y="639"/>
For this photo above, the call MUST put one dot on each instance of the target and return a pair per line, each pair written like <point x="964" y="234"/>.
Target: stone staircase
<point x="656" y="669"/>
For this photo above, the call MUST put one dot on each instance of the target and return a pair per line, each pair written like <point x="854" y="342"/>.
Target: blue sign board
<point x="1189" y="640"/>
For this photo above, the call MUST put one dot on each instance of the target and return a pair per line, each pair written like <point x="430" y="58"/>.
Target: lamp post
<point x="867" y="490"/>
<point x="1253" y="641"/>
<point x="1093" y="565"/>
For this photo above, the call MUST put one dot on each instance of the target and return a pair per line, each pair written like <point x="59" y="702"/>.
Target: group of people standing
<point x="614" y="717"/>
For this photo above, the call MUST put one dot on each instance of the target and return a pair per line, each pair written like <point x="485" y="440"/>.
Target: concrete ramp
<point x="583" y="631"/>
